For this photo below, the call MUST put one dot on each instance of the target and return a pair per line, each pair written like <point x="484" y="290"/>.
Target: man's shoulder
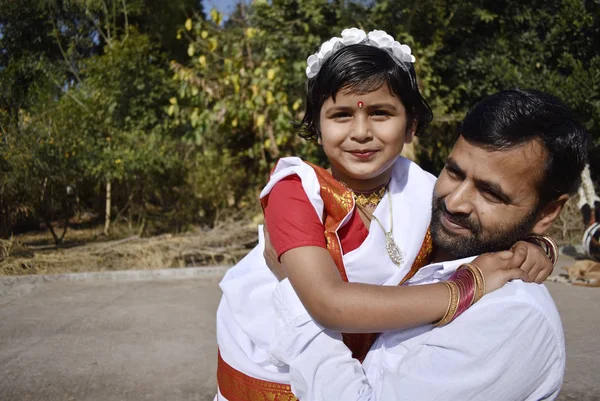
<point x="526" y="298"/>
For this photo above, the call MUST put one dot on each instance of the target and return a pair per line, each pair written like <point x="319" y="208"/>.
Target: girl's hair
<point x="362" y="68"/>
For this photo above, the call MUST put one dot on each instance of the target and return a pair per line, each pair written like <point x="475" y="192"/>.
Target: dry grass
<point x="568" y="229"/>
<point x="225" y="244"/>
<point x="88" y="250"/>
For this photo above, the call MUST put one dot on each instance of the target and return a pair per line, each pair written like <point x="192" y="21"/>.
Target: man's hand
<point x="271" y="257"/>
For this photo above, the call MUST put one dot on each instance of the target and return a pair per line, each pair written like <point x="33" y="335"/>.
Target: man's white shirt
<point x="508" y="346"/>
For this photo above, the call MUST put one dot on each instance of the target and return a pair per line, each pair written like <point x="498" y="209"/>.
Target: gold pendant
<point x="392" y="249"/>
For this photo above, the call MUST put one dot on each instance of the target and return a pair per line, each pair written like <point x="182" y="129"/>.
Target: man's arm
<point x="501" y="349"/>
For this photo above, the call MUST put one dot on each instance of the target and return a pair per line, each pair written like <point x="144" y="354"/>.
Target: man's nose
<point x="460" y="200"/>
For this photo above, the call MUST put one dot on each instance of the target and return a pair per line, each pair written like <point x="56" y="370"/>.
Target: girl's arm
<point x="353" y="307"/>
<point x="356" y="307"/>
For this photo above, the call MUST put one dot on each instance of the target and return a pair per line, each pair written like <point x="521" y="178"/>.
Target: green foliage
<point x="185" y="113"/>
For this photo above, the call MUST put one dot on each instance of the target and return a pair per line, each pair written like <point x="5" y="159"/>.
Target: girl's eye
<point x="380" y="113"/>
<point x="341" y="116"/>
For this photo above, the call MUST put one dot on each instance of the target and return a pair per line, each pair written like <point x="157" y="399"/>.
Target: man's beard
<point x="481" y="239"/>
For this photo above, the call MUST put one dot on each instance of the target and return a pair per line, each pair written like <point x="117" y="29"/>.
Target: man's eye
<point x="491" y="197"/>
<point x="451" y="173"/>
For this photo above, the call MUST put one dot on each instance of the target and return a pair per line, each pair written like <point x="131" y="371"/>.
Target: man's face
<point x="484" y="200"/>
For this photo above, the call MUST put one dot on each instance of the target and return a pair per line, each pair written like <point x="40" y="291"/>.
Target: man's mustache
<point x="461" y="219"/>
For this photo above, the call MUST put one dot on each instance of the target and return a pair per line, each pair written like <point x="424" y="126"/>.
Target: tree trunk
<point x="107" y="211"/>
<point x="51" y="228"/>
<point x="5" y="223"/>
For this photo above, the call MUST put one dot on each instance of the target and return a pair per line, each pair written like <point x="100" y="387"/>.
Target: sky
<point x="225" y="6"/>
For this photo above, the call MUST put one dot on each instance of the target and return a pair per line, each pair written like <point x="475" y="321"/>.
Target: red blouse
<point x="293" y="222"/>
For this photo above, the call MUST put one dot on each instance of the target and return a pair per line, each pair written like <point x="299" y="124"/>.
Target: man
<point x="518" y="156"/>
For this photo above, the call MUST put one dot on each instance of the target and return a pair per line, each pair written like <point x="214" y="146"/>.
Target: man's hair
<point x="361" y="69"/>
<point x="515" y="117"/>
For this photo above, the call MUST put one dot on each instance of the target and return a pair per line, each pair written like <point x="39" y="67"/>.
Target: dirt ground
<point x="154" y="339"/>
<point x="87" y="250"/>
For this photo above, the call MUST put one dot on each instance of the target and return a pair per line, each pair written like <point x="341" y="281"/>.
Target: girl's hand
<point x="532" y="260"/>
<point x="497" y="269"/>
<point x="271" y="257"/>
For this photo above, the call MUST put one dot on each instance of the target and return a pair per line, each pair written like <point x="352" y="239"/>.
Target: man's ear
<point x="549" y="213"/>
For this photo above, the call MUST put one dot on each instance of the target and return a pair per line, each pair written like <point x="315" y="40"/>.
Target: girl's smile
<point x="363" y="135"/>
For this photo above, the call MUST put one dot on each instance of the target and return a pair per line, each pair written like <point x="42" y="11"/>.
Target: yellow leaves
<point x="270" y="97"/>
<point x="271" y="74"/>
<point x="204" y="34"/>
<point x="296" y="104"/>
<point x="202" y="61"/>
<point x="194" y="91"/>
<point x="254" y="90"/>
<point x="260" y="121"/>
<point x="191" y="50"/>
<point x="66" y="155"/>
<point x="118" y="161"/>
<point x="228" y="64"/>
<point x="250" y="32"/>
<point x="216" y="16"/>
<point x="195" y="117"/>
<point x="213" y="44"/>
<point x="234" y="122"/>
<point x="267" y="143"/>
<point x="171" y="110"/>
<point x="173" y="100"/>
<point x="108" y="139"/>
<point x="188" y="24"/>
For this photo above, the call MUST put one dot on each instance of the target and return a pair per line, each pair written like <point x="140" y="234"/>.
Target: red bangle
<point x="465" y="280"/>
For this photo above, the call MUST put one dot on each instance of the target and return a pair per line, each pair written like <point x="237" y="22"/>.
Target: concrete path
<point x="110" y="341"/>
<point x="154" y="340"/>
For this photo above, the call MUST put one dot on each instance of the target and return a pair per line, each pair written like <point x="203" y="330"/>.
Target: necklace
<point x="391" y="247"/>
<point x="370" y="198"/>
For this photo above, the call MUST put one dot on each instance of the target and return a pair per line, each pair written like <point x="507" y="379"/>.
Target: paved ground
<point x="155" y="340"/>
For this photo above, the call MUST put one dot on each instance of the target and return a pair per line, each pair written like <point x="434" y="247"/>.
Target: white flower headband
<point x="353" y="36"/>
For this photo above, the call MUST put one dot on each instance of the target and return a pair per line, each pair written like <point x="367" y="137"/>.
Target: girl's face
<point x="362" y="143"/>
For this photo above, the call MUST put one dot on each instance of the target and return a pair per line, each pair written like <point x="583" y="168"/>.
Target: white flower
<point x="314" y="65"/>
<point x="328" y="47"/>
<point x="353" y="36"/>
<point x="381" y="39"/>
<point x="403" y="52"/>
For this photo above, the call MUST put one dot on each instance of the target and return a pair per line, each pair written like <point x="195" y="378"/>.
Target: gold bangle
<point x="452" y="305"/>
<point x="448" y="308"/>
<point x="479" y="280"/>
<point x="547" y="244"/>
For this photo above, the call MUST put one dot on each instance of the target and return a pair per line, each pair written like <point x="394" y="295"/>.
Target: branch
<point x="126" y="20"/>
<point x="64" y="54"/>
<point x="69" y="94"/>
<point x="98" y="27"/>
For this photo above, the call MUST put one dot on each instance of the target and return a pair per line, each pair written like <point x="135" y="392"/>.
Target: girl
<point x="363" y="105"/>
